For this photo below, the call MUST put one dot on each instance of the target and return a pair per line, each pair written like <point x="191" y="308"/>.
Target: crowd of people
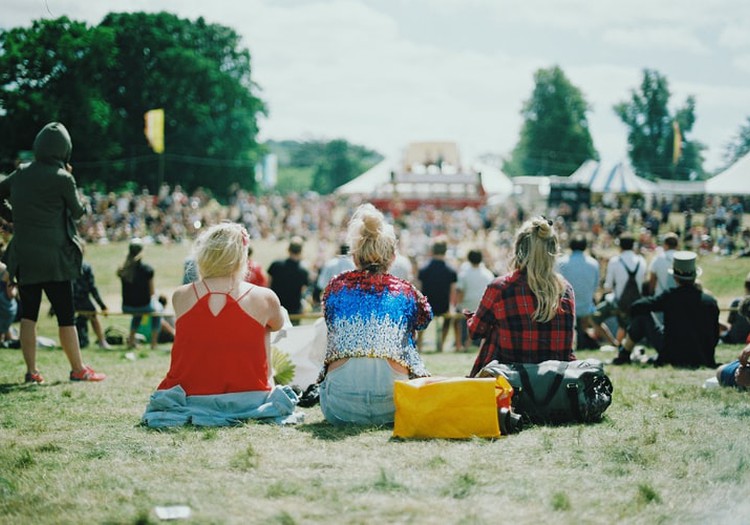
<point x="378" y="279"/>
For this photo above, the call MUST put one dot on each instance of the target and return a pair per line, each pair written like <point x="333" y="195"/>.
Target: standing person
<point x="45" y="253"/>
<point x="690" y="331"/>
<point x="619" y="269"/>
<point x="255" y="273"/>
<point x="84" y="289"/>
<point x="220" y="370"/>
<point x="340" y="263"/>
<point x="528" y="315"/>
<point x="137" y="282"/>
<point x="437" y="281"/>
<point x="372" y="318"/>
<point x="289" y="278"/>
<point x="8" y="305"/>
<point x="659" y="278"/>
<point x="471" y="284"/>
<point x="582" y="272"/>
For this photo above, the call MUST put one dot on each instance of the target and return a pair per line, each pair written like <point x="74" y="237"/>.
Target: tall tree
<point x="340" y="162"/>
<point x="555" y="137"/>
<point x="54" y="70"/>
<point x="652" y="130"/>
<point x="201" y="76"/>
<point x="739" y="146"/>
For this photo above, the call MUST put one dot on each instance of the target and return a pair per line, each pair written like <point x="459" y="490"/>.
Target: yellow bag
<point x="447" y="407"/>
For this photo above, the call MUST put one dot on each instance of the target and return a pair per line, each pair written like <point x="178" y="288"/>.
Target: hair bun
<point x="370" y="225"/>
<point x="543" y="227"/>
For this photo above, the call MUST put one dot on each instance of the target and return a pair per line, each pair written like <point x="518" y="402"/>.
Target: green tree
<point x="201" y="77"/>
<point x="54" y="71"/>
<point x="101" y="80"/>
<point x="739" y="146"/>
<point x="555" y="137"/>
<point x="651" y="131"/>
<point x="321" y="166"/>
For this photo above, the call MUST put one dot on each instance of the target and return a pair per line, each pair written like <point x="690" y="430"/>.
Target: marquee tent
<point x="619" y="178"/>
<point x="366" y="183"/>
<point x="735" y="180"/>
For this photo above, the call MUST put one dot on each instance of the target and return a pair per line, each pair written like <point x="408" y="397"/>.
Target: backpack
<point x="631" y="292"/>
<point x="556" y="392"/>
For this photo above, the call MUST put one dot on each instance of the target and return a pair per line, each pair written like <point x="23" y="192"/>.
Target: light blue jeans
<point x="360" y="392"/>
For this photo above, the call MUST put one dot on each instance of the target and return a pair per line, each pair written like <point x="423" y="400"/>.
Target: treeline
<point x="319" y="166"/>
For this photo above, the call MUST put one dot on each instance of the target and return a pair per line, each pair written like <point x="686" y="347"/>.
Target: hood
<point x="52" y="144"/>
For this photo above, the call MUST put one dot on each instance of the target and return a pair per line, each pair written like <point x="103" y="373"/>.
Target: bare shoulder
<point x="183" y="299"/>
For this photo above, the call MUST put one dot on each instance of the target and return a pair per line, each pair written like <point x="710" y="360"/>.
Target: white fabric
<point x="473" y="281"/>
<point x="660" y="266"/>
<point x="617" y="275"/>
<point x="735" y="180"/>
<point x="619" y="178"/>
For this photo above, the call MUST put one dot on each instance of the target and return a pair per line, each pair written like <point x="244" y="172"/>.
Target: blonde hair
<point x="372" y="240"/>
<point x="536" y="249"/>
<point x="221" y="250"/>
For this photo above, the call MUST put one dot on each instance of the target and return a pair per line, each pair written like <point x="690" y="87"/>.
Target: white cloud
<point x="656" y="38"/>
<point x="461" y="69"/>
<point x="735" y="36"/>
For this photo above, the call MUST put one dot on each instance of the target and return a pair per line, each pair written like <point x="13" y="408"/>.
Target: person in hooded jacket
<point x="45" y="254"/>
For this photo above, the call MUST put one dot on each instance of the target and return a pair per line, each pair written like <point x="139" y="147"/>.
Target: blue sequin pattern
<point x="375" y="315"/>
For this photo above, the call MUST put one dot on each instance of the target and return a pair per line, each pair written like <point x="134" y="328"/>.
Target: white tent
<point x="619" y="178"/>
<point x="366" y="183"/>
<point x="735" y="180"/>
<point x="495" y="183"/>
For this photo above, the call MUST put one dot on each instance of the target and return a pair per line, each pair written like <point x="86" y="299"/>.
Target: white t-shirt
<point x="473" y="282"/>
<point x="617" y="275"/>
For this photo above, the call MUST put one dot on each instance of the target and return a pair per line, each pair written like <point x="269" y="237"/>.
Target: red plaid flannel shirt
<point x="510" y="335"/>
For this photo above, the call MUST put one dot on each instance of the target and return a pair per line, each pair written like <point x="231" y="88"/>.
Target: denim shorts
<point x="726" y="378"/>
<point x="360" y="392"/>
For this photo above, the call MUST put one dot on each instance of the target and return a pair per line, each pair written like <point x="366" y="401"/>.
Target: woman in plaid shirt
<point x="528" y="315"/>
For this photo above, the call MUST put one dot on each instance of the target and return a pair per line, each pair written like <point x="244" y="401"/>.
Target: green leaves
<point x="651" y="131"/>
<point x="101" y="80"/>
<point x="555" y="137"/>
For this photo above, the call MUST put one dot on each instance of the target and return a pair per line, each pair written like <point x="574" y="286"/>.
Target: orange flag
<point x="154" y="129"/>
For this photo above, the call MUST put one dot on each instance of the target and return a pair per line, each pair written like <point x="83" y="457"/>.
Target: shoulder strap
<point x="195" y="291"/>
<point x="244" y="294"/>
<point x="631" y="274"/>
<point x="556" y="382"/>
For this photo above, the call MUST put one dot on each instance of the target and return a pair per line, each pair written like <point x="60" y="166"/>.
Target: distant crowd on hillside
<point x="174" y="216"/>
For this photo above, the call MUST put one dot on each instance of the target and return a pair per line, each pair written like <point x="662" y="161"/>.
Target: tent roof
<point x="735" y="180"/>
<point x="619" y="178"/>
<point x="376" y="176"/>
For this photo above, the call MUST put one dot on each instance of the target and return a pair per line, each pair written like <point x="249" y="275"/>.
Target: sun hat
<point x="683" y="266"/>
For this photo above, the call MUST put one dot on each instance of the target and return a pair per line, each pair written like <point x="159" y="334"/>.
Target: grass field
<point x="668" y="451"/>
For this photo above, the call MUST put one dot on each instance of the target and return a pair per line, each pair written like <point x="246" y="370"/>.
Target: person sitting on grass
<point x="737" y="373"/>
<point x="372" y="319"/>
<point x="220" y="371"/>
<point x="690" y="331"/>
<point x="528" y="315"/>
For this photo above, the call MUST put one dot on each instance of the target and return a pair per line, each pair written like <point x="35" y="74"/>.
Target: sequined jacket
<point x="375" y="315"/>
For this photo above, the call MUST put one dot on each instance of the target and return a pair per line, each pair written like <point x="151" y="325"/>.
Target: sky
<point x="384" y="73"/>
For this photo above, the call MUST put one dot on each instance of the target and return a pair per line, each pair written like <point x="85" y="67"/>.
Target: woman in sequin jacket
<point x="372" y="319"/>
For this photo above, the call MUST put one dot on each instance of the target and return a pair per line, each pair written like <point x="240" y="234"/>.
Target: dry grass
<point x="668" y="451"/>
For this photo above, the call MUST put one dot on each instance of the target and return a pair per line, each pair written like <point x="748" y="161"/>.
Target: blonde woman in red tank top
<point x="223" y="326"/>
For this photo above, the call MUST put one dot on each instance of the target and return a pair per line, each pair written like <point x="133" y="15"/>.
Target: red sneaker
<point x="33" y="377"/>
<point x="87" y="374"/>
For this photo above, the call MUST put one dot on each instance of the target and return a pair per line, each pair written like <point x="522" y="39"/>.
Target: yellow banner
<point x="677" y="145"/>
<point x="154" y="129"/>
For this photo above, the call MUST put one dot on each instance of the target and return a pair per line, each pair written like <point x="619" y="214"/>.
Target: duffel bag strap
<point x="556" y="382"/>
<point x="573" y="398"/>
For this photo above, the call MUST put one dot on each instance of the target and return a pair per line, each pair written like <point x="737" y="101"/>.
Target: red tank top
<point x="218" y="354"/>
